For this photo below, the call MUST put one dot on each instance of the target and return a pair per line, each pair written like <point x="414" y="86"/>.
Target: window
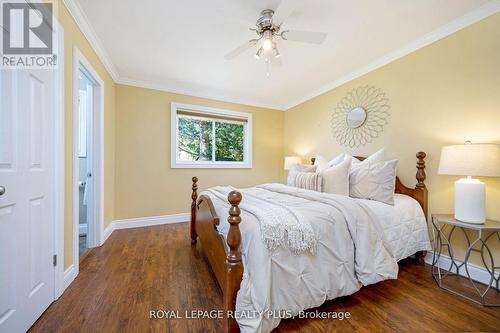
<point x="205" y="137"/>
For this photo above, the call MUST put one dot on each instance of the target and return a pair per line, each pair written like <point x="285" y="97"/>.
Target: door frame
<point x="59" y="164"/>
<point x="97" y="151"/>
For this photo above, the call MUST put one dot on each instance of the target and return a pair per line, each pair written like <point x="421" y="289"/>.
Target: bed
<point x="346" y="255"/>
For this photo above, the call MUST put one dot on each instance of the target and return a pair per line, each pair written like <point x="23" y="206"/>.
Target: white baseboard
<point x="107" y="232"/>
<point x="476" y="272"/>
<point x="69" y="276"/>
<point x="144" y="222"/>
<point x="150" y="221"/>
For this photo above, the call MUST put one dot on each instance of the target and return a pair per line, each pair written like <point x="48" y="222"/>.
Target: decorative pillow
<point x="377" y="157"/>
<point x="336" y="178"/>
<point x="321" y="163"/>
<point x="338" y="159"/>
<point x="374" y="181"/>
<point x="299" y="168"/>
<point x="308" y="181"/>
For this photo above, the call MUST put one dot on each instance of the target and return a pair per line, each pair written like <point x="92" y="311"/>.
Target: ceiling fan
<point x="268" y="30"/>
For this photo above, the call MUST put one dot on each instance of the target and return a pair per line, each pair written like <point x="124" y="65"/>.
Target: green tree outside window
<point x="210" y="140"/>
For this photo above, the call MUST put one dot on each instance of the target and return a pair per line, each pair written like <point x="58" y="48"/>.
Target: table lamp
<point x="291" y="160"/>
<point x="470" y="160"/>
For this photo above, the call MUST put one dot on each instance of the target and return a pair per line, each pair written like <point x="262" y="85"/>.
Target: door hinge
<point x="54" y="260"/>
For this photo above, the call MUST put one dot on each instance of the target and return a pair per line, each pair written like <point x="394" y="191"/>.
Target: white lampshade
<point x="291" y="160"/>
<point x="470" y="160"/>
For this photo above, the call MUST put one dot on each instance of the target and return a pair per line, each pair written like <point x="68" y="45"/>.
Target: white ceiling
<point x="179" y="45"/>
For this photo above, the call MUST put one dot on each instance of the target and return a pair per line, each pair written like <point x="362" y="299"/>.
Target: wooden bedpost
<point x="234" y="266"/>
<point x="421" y="195"/>
<point x="420" y="188"/>
<point x="421" y="169"/>
<point x="194" y="197"/>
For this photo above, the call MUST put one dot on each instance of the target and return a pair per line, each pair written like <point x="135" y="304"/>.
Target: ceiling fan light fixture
<point x="267" y="42"/>
<point x="268" y="31"/>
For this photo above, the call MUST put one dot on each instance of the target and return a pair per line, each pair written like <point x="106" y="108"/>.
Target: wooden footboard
<point x="224" y="257"/>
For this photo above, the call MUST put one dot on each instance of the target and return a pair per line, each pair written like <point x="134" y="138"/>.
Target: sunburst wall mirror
<point x="360" y="116"/>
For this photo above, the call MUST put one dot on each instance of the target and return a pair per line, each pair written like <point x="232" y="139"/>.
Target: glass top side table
<point x="490" y="230"/>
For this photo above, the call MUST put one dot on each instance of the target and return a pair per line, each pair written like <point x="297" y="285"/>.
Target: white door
<point x="26" y="206"/>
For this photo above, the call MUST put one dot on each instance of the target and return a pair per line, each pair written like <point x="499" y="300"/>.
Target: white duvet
<point x="358" y="243"/>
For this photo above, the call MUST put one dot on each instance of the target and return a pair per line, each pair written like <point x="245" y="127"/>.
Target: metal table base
<point x="441" y="240"/>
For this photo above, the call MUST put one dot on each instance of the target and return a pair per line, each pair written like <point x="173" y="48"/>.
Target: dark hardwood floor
<point x="155" y="268"/>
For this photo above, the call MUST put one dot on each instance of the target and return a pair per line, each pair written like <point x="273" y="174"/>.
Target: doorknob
<point x="2" y="190"/>
<point x="89" y="174"/>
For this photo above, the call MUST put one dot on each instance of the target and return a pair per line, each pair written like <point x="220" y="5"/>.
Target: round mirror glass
<point x="356" y="117"/>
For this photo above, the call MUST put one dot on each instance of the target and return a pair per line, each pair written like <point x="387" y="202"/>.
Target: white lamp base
<point x="470" y="201"/>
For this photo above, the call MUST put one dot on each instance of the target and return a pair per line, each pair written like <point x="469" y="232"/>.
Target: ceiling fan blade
<point x="284" y="10"/>
<point x="240" y="49"/>
<point x="304" y="36"/>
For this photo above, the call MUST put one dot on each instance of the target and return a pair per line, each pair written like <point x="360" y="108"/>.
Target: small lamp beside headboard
<point x="291" y="160"/>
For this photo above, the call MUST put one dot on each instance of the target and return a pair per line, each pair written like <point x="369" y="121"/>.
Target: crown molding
<point x="83" y="23"/>
<point x="196" y="93"/>
<point x="464" y="21"/>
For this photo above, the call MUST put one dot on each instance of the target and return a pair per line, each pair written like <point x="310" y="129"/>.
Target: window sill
<point x="175" y="165"/>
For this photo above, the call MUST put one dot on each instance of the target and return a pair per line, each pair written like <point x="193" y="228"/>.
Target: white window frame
<point x="208" y="111"/>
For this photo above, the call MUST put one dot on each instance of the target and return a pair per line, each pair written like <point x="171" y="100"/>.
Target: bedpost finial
<point x="421" y="169"/>
<point x="195" y="184"/>
<point x="194" y="195"/>
<point x="234" y="198"/>
<point x="234" y="236"/>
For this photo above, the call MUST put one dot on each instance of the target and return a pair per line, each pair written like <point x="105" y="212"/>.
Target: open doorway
<point x="85" y="132"/>
<point x="88" y="158"/>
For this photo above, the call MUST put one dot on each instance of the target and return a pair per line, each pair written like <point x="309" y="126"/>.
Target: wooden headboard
<point x="419" y="192"/>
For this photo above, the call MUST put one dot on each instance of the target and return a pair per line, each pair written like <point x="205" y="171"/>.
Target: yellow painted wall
<point x="445" y="93"/>
<point x="145" y="183"/>
<point x="74" y="37"/>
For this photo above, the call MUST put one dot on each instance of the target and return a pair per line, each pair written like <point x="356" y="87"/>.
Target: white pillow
<point x="337" y="159"/>
<point x="377" y="157"/>
<point x="308" y="180"/>
<point x="374" y="181"/>
<point x="294" y="168"/>
<point x="321" y="163"/>
<point x="336" y="178"/>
